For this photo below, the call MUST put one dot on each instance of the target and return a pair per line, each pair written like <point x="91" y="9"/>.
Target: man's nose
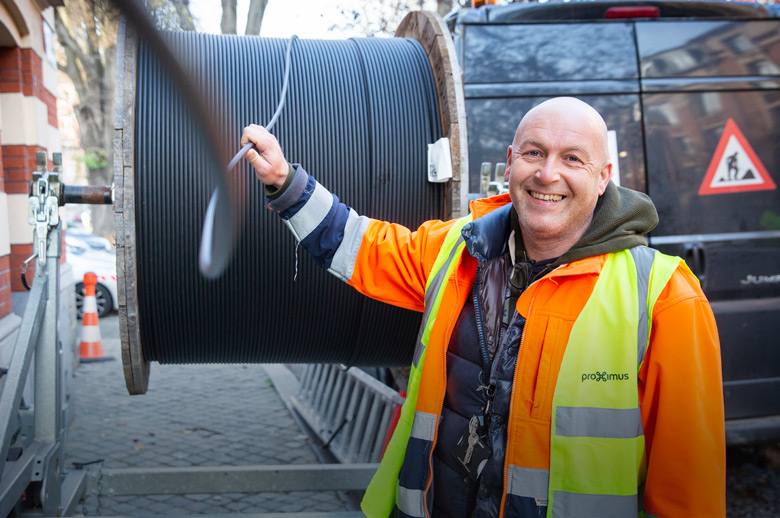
<point x="547" y="172"/>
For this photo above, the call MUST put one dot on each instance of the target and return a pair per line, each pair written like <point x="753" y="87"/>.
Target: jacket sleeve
<point x="681" y="400"/>
<point x="382" y="260"/>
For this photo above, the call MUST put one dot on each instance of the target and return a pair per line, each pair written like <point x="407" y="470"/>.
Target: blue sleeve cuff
<point x="292" y="193"/>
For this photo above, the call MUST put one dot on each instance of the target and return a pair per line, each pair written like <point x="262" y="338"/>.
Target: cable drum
<point x="358" y="116"/>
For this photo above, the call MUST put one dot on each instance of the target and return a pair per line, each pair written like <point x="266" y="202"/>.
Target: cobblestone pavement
<point x="753" y="481"/>
<point x="192" y="415"/>
<point x="213" y="415"/>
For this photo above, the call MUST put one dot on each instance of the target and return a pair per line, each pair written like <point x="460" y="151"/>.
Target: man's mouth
<point x="546" y="197"/>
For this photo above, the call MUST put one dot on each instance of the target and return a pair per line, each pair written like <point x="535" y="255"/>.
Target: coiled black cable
<point x="275" y="117"/>
<point x="358" y="115"/>
<point x="210" y="264"/>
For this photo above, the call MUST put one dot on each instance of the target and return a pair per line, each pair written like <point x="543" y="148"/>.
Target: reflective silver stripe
<point x="419" y="346"/>
<point x="312" y="213"/>
<point x="423" y="426"/>
<point x="643" y="259"/>
<point x="430" y="297"/>
<point x="705" y="238"/>
<point x="527" y="482"/>
<point x="566" y="505"/>
<point x="343" y="264"/>
<point x="410" y="501"/>
<point x="610" y="423"/>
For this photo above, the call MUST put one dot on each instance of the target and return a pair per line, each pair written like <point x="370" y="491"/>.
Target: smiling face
<point x="557" y="167"/>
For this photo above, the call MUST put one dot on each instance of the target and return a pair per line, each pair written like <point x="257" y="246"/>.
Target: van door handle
<point x="695" y="256"/>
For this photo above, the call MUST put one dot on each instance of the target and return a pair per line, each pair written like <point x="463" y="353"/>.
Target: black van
<point x="691" y="94"/>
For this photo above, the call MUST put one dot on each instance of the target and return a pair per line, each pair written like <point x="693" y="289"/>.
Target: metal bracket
<point x="43" y="204"/>
<point x="48" y="467"/>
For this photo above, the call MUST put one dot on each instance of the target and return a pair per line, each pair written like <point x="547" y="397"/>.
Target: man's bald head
<point x="576" y="114"/>
<point x="557" y="167"/>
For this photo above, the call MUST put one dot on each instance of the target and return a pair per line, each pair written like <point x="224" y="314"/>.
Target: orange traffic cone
<point x="90" y="348"/>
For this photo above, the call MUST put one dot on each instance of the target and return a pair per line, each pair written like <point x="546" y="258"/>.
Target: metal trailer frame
<point x="38" y="435"/>
<point x="42" y="458"/>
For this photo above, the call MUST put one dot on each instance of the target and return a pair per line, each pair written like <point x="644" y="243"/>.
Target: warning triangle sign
<point x="735" y="167"/>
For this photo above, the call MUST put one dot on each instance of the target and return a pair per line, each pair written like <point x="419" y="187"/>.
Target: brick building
<point x="28" y="124"/>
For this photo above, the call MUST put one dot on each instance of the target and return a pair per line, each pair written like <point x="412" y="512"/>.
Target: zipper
<point x="487" y="386"/>
<point x="481" y="330"/>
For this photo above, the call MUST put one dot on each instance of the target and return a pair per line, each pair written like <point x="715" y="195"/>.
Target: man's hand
<point x="266" y="157"/>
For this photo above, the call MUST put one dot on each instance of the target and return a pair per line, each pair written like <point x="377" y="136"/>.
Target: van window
<point x="548" y="52"/>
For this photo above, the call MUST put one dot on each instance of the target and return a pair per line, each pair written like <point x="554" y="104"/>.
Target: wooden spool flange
<point x="429" y="29"/>
<point x="136" y="368"/>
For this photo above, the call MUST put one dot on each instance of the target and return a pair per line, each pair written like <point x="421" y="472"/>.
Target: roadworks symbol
<point x="735" y="167"/>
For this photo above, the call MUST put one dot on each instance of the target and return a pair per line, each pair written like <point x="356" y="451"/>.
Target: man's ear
<point x="605" y="175"/>
<point x="508" y="163"/>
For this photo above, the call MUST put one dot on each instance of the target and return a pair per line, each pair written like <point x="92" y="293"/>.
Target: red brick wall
<point x="11" y="269"/>
<point x="2" y="171"/>
<point x="5" y="263"/>
<point x="21" y="70"/>
<point x="5" y="285"/>
<point x="19" y="163"/>
<point x="20" y="253"/>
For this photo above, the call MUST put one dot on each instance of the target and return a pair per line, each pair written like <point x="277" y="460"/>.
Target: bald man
<point x="562" y="368"/>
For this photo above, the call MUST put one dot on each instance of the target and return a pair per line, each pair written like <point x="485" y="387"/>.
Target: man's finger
<point x="252" y="133"/>
<point x="254" y="158"/>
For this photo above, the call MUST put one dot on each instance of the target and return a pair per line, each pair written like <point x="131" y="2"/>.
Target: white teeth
<point x="546" y="197"/>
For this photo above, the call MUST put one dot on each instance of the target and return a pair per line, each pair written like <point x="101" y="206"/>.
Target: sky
<point x="308" y="19"/>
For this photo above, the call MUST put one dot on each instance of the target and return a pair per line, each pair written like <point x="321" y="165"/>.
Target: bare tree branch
<point x="86" y="32"/>
<point x="254" y="19"/>
<point x="228" y="24"/>
<point x="72" y="50"/>
<point x="381" y="16"/>
<point x="185" y="18"/>
<point x="443" y="7"/>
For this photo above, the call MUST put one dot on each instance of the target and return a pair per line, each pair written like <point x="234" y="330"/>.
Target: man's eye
<point x="533" y="153"/>
<point x="572" y="158"/>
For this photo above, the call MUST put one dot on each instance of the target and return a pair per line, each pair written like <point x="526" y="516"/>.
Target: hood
<point x="620" y="220"/>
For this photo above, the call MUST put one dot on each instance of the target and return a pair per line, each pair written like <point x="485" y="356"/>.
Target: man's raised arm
<point x="382" y="260"/>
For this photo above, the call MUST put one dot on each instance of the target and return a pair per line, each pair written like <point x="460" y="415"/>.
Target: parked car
<point x="83" y="258"/>
<point x="91" y="240"/>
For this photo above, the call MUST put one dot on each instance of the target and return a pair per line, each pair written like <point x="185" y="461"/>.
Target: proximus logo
<point x="605" y="376"/>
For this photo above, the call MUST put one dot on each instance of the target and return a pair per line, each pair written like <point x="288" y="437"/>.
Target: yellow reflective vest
<point x="597" y="450"/>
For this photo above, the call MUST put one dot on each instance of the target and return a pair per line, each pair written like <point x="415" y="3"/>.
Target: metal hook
<point x="25" y="267"/>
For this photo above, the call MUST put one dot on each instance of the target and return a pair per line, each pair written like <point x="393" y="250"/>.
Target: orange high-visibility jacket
<point x="680" y="386"/>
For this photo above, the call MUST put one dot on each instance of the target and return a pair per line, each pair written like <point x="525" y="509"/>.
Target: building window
<point x="763" y="67"/>
<point x="48" y="44"/>
<point x="739" y="44"/>
<point x="710" y="102"/>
